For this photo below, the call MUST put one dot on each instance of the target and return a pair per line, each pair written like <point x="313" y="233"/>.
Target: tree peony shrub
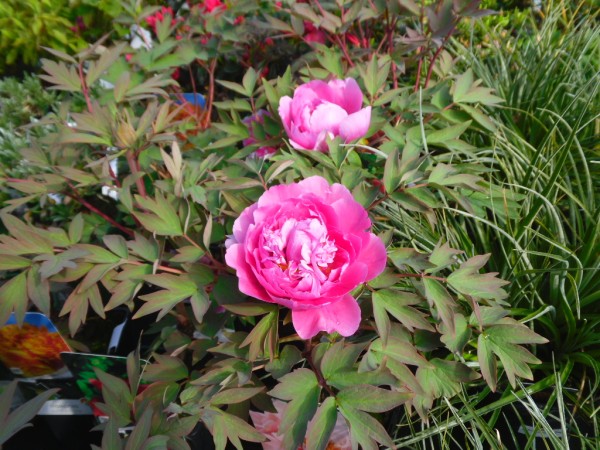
<point x="320" y="109"/>
<point x="306" y="246"/>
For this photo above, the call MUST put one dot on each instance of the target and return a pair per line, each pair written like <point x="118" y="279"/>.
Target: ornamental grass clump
<point x="319" y="283"/>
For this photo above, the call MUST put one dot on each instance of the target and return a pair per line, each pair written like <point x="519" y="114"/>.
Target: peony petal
<point x="242" y="223"/>
<point x="248" y="284"/>
<point x="342" y="316"/>
<point x="346" y="93"/>
<point x="285" y="104"/>
<point x="353" y="96"/>
<point x="327" y="117"/>
<point x="374" y="255"/>
<point x="352" y="217"/>
<point x="356" y="125"/>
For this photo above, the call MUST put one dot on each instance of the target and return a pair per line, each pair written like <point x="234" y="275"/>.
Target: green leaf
<point x="161" y="217"/>
<point x="166" y="368"/>
<point x="445" y="175"/>
<point x="398" y="304"/>
<point x="97" y="255"/>
<point x="200" y="304"/>
<point x="263" y="337"/>
<point x="76" y="228"/>
<point x="399" y="350"/>
<point x="116" y="244"/>
<point x="13" y="262"/>
<point x="144" y="248"/>
<point x="403" y="257"/>
<point x="515" y="359"/>
<point x="108" y="57"/>
<point x="294" y="421"/>
<point x="29" y="239"/>
<point x="13" y="295"/>
<point x="372" y="399"/>
<point x="487" y="362"/>
<point x="392" y="174"/>
<point x="38" y="290"/>
<point x="462" y="85"/>
<point x="456" y="340"/>
<point x="229" y="427"/>
<point x="444" y="303"/>
<point x="467" y="280"/>
<point x="238" y="88"/>
<point x="251" y="309"/>
<point x="141" y="431"/>
<point x="235" y="395"/>
<point x="512" y="332"/>
<point x="443" y="256"/>
<point x="11" y="423"/>
<point x="288" y="358"/>
<point x="295" y="384"/>
<point x="322" y="425"/>
<point x="340" y="358"/>
<point x="443" y="378"/>
<point x="187" y="254"/>
<point x="365" y="430"/>
<point x="55" y="263"/>
<point x="60" y="76"/>
<point x="176" y="289"/>
<point x="249" y="81"/>
<point x="448" y="133"/>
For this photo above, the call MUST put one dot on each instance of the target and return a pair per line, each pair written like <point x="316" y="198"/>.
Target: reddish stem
<point x="344" y="48"/>
<point x="113" y="176"/>
<point x="135" y="169"/>
<point x="419" y="67"/>
<point x="420" y="275"/>
<point x="163" y="268"/>
<point x="75" y="196"/>
<point x="211" y="91"/>
<point x="320" y="378"/>
<point x="85" y="89"/>
<point x="435" y="56"/>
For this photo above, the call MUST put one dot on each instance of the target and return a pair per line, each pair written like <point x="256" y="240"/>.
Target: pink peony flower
<point x="268" y="423"/>
<point x="321" y="109"/>
<point x="306" y="246"/>
<point x="258" y="117"/>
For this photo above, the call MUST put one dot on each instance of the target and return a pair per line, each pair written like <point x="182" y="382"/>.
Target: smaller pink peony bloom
<point x="320" y="109"/>
<point x="268" y="424"/>
<point x="258" y="117"/>
<point x="306" y="246"/>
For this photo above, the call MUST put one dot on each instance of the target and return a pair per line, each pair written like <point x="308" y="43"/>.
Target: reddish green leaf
<point x="322" y="425"/>
<point x="372" y="399"/>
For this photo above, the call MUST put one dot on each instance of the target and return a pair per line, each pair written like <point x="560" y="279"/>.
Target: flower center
<point x="300" y="248"/>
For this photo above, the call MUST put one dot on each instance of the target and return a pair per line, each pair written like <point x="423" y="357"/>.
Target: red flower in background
<point x="160" y="16"/>
<point x="209" y="6"/>
<point x="313" y="34"/>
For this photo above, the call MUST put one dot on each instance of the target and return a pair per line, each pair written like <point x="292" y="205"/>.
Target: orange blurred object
<point x="32" y="350"/>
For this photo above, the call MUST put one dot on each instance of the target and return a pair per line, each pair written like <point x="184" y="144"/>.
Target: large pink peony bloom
<point x="321" y="109"/>
<point x="306" y="246"/>
<point x="268" y="424"/>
